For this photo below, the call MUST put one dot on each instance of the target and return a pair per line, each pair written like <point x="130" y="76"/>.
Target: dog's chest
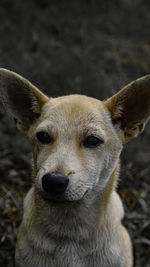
<point x="65" y="252"/>
<point x="72" y="257"/>
<point x="75" y="255"/>
<point x="53" y="245"/>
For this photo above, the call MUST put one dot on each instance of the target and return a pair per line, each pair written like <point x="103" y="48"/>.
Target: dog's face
<point x="76" y="140"/>
<point x="73" y="138"/>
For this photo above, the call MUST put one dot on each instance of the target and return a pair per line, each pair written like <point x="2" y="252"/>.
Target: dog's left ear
<point x="130" y="107"/>
<point x="21" y="99"/>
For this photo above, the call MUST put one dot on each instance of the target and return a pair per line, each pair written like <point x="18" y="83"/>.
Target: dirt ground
<point x="89" y="47"/>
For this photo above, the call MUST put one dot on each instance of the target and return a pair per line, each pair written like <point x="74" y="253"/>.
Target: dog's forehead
<point x="74" y="109"/>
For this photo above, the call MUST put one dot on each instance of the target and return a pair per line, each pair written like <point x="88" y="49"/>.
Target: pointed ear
<point x="130" y="107"/>
<point x="21" y="99"/>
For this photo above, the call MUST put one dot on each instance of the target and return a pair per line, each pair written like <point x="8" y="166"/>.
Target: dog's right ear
<point x="21" y="99"/>
<point x="130" y="108"/>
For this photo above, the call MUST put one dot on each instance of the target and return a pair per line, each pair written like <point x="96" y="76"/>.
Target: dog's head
<point x="76" y="140"/>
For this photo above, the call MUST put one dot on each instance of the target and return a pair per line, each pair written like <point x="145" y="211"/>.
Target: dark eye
<point x="44" y="137"/>
<point x="92" y="142"/>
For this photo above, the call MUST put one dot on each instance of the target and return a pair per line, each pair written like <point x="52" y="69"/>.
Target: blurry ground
<point x="90" y="47"/>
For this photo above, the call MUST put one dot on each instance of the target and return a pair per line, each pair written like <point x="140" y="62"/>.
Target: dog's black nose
<point x="54" y="183"/>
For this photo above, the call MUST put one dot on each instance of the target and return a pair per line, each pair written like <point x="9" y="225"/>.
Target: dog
<point x="72" y="214"/>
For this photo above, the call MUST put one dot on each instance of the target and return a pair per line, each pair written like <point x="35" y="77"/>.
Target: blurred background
<point x="63" y="47"/>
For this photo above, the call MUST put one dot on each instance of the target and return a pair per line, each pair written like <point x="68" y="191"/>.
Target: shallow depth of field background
<point x="63" y="47"/>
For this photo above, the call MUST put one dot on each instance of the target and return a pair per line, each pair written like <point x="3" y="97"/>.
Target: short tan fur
<point x="72" y="214"/>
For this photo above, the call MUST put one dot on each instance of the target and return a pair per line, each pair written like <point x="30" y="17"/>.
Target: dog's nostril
<point x="54" y="183"/>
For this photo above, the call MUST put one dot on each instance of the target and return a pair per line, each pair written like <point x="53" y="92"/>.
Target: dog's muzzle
<point x="54" y="185"/>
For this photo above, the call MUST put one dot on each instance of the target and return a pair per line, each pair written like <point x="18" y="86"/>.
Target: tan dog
<point x="72" y="213"/>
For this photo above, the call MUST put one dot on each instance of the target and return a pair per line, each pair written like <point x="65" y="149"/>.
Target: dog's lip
<point x="56" y="199"/>
<point x="60" y="199"/>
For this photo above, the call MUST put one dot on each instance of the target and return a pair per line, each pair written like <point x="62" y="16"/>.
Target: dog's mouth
<point x="62" y="198"/>
<point x="56" y="199"/>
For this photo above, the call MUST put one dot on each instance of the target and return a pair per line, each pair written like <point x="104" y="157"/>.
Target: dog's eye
<point x="44" y="137"/>
<point x="92" y="142"/>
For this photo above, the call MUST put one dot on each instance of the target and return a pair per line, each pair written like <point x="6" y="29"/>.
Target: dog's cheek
<point x="35" y="154"/>
<point x="109" y="164"/>
<point x="100" y="165"/>
<point x="39" y="156"/>
<point x="95" y="162"/>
